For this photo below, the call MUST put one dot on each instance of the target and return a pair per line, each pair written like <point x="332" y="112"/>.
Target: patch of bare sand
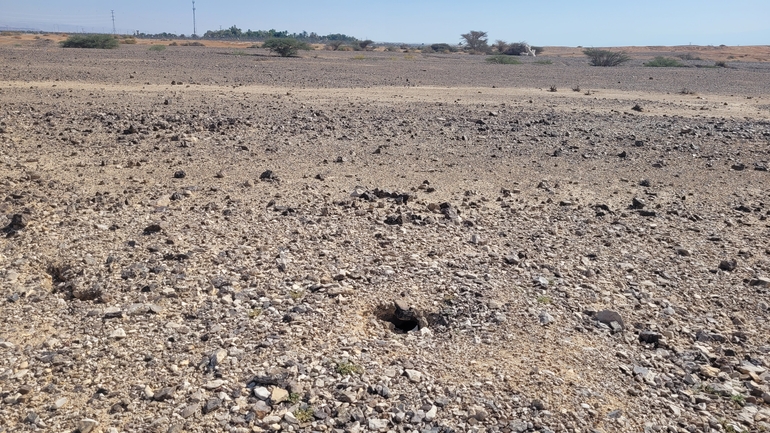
<point x="599" y="101"/>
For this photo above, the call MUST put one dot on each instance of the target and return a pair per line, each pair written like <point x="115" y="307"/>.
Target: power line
<point x="195" y="29"/>
<point x="113" y="21"/>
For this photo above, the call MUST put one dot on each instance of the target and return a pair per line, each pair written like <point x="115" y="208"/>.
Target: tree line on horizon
<point x="255" y="35"/>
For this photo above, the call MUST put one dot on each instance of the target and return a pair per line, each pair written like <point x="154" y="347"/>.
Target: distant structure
<point x="113" y="21"/>
<point x="195" y="29"/>
<point x="528" y="51"/>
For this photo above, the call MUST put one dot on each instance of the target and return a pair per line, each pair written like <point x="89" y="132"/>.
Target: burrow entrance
<point x="402" y="318"/>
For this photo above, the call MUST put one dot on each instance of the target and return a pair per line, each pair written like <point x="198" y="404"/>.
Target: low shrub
<point x="502" y="59"/>
<point x="544" y="62"/>
<point x="157" y="47"/>
<point x="720" y="64"/>
<point x="285" y="47"/>
<point x="599" y="57"/>
<point x="442" y="48"/>
<point x="689" y="56"/>
<point x="664" y="62"/>
<point x="346" y="368"/>
<point x="90" y="41"/>
<point x="519" y="48"/>
<point x="128" y="41"/>
<point x="193" y="44"/>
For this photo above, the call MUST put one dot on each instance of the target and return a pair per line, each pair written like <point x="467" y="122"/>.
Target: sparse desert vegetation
<point x="502" y="59"/>
<point x="91" y="41"/>
<point x="285" y="47"/>
<point x="664" y="62"/>
<point x="607" y="58"/>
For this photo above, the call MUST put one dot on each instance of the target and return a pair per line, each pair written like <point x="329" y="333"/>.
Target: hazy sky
<point x="546" y="22"/>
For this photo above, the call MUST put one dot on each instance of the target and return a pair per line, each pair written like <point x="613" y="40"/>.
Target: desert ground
<point x="216" y="239"/>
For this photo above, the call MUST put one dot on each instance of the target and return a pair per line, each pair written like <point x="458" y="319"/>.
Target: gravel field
<point x="209" y="239"/>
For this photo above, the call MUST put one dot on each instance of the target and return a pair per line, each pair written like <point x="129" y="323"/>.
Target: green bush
<point x="502" y="59"/>
<point x="285" y="47"/>
<point x="720" y="64"/>
<point x="90" y="41"/>
<point x="664" y="62"/>
<point x="157" y="47"/>
<point x="442" y="48"/>
<point x="606" y="57"/>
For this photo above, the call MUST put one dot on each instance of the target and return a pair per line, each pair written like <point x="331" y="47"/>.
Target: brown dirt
<point x="286" y="273"/>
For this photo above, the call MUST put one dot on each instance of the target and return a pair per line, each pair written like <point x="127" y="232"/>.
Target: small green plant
<point x="128" y="41"/>
<point x="297" y="294"/>
<point x="157" y="47"/>
<point x="90" y="41"/>
<point x="254" y="313"/>
<point x="664" y="62"/>
<point x="346" y="368"/>
<point x="304" y="415"/>
<point x="543" y="62"/>
<point x="599" y="57"/>
<point x="727" y="427"/>
<point x="240" y="53"/>
<point x="359" y="57"/>
<point x="502" y="59"/>
<point x="543" y="299"/>
<point x="285" y="47"/>
<point x="294" y="397"/>
<point x="738" y="399"/>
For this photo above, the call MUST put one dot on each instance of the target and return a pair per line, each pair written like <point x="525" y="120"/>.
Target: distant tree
<point x="364" y="44"/>
<point x="599" y="57"/>
<point x="476" y="41"/>
<point x="500" y="46"/>
<point x="285" y="47"/>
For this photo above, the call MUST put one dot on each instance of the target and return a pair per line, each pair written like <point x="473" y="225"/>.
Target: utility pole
<point x="113" y="21"/>
<point x="195" y="29"/>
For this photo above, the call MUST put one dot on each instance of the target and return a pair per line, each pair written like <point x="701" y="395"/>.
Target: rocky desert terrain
<point x="204" y="239"/>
